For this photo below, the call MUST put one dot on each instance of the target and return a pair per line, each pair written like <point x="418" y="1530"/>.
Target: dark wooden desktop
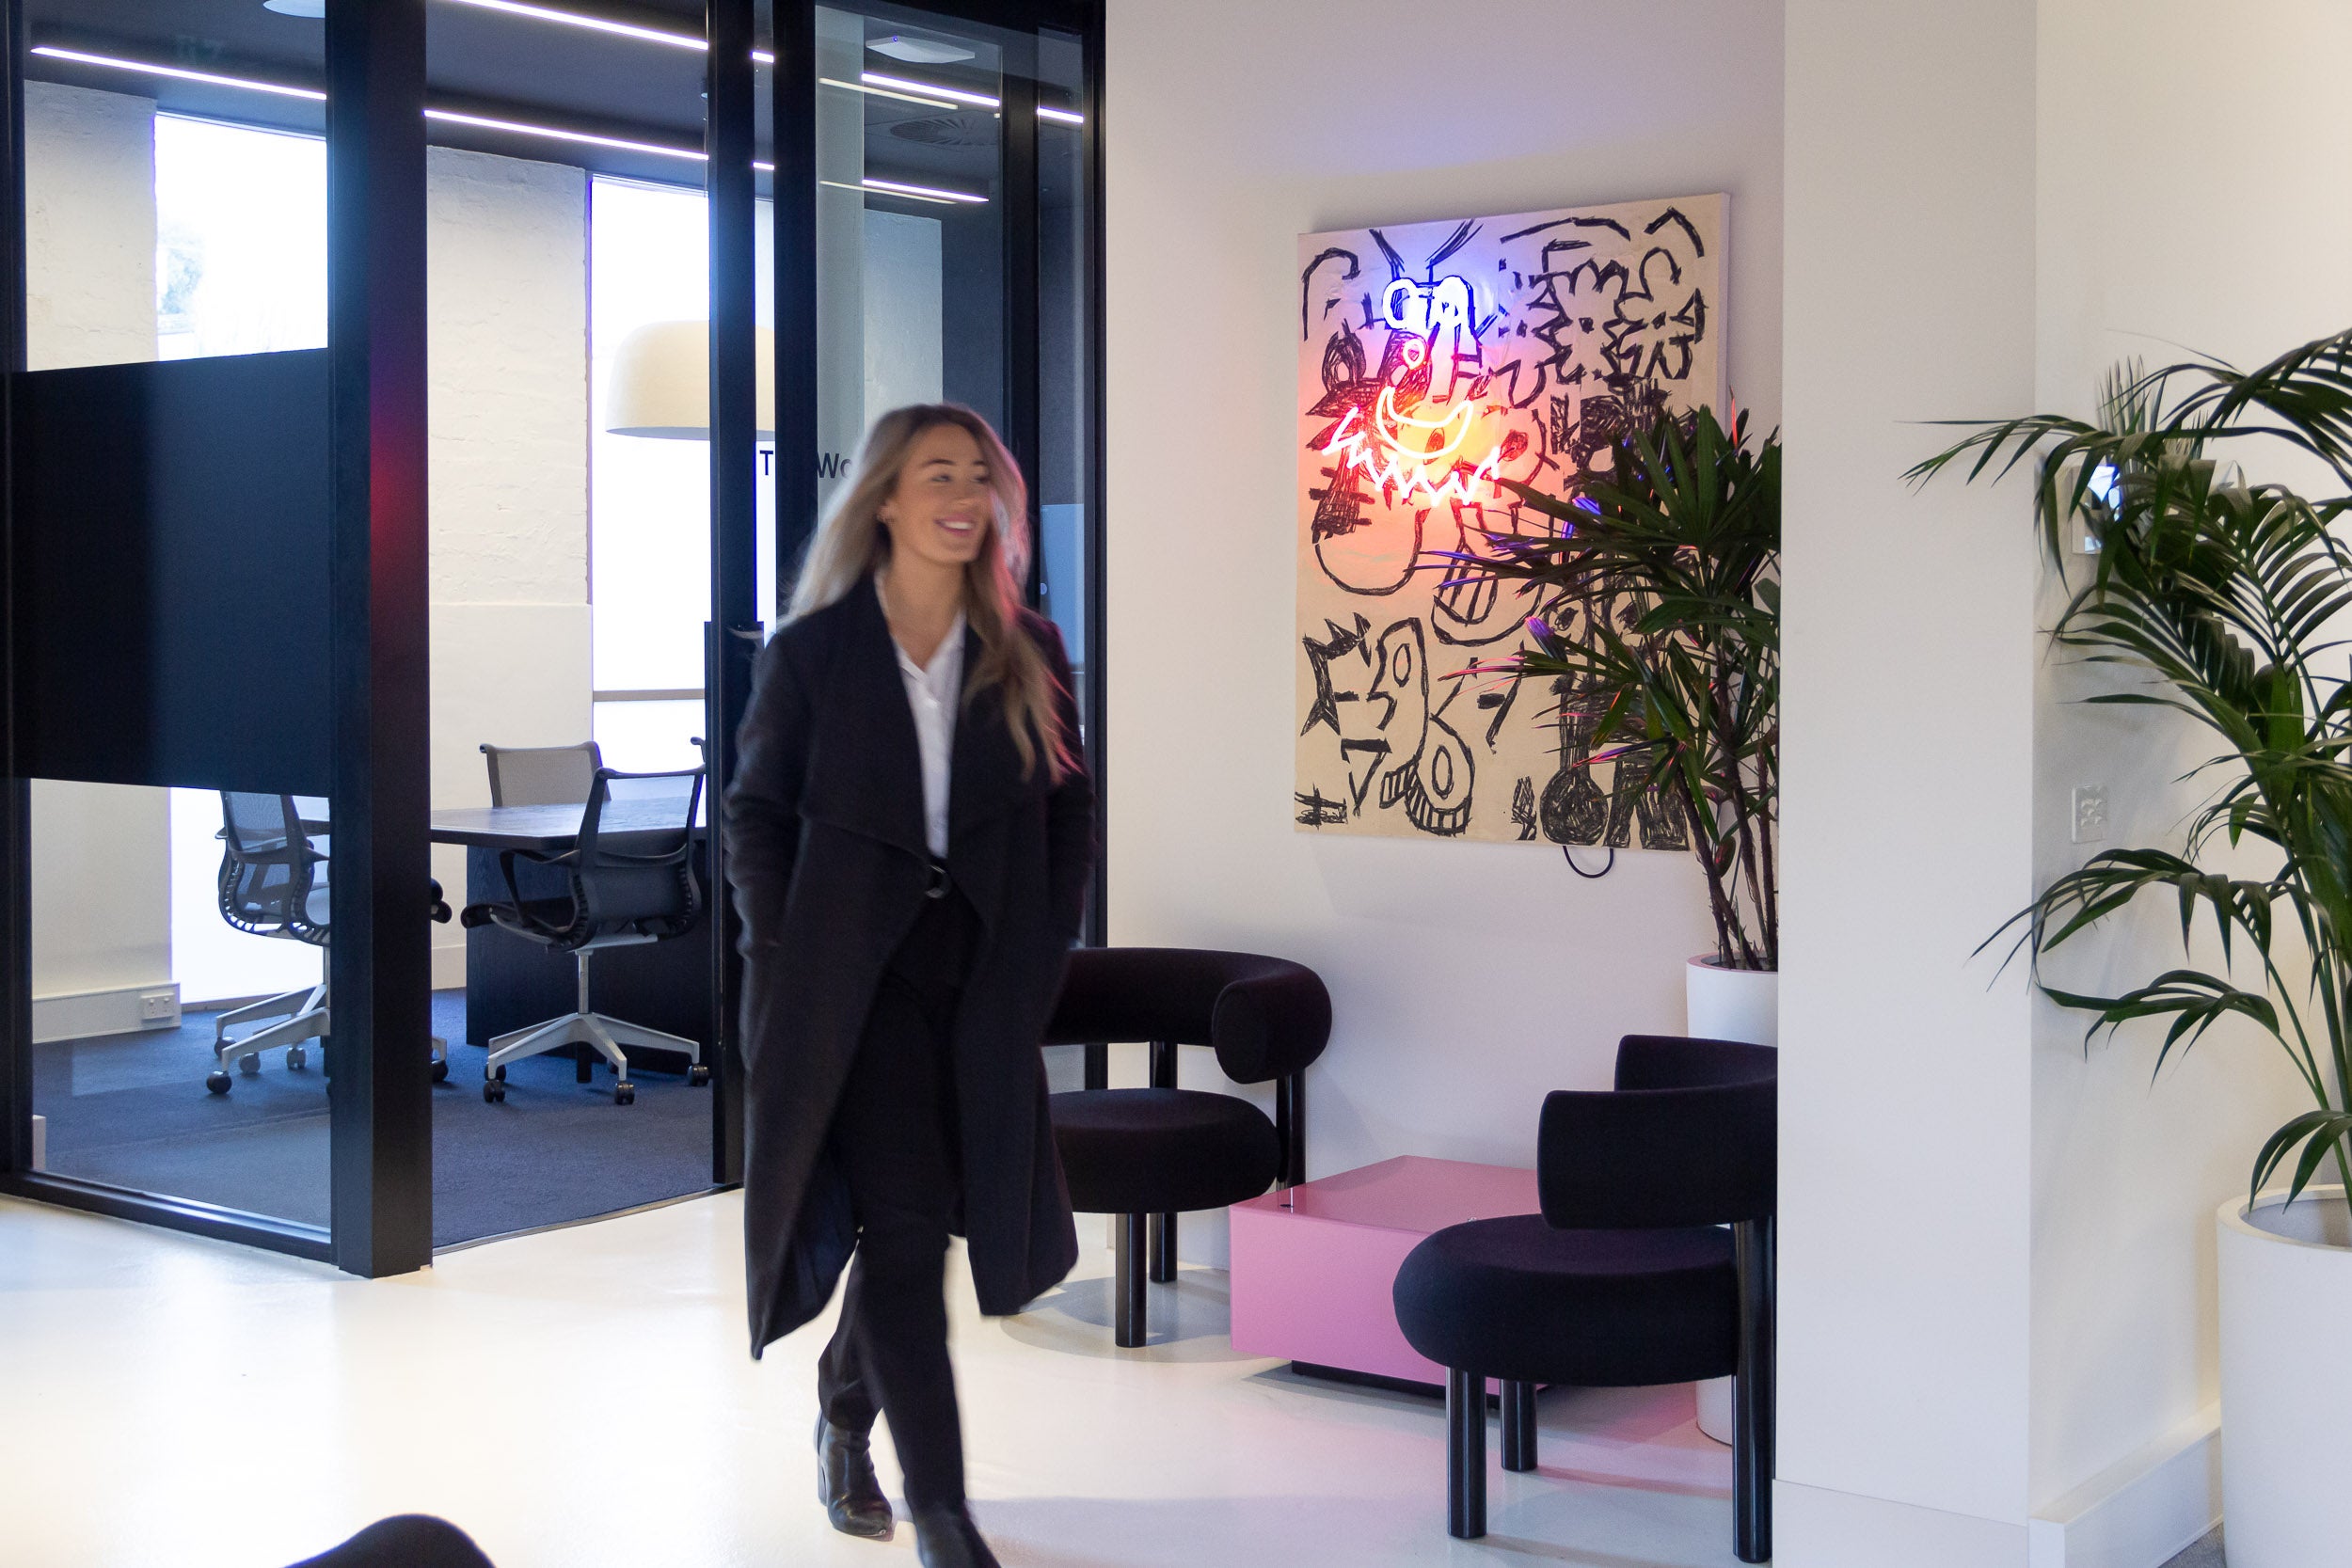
<point x="512" y="983"/>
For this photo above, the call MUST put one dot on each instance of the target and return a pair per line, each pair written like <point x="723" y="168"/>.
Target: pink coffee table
<point x="1313" y="1266"/>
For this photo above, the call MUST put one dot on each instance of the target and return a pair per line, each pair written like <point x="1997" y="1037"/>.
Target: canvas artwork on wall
<point x="1435" y="358"/>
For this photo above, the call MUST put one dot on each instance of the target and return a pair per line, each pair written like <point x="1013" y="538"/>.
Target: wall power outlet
<point x="2091" y="813"/>
<point x="155" y="1004"/>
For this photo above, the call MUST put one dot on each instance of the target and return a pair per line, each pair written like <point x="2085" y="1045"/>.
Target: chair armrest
<point x="1271" y="1025"/>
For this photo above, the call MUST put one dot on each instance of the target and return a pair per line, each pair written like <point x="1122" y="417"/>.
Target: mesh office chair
<point x="631" y="872"/>
<point x="274" y="883"/>
<point x="541" y="775"/>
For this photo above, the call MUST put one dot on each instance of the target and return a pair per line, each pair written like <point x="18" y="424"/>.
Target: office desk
<point x="512" y="983"/>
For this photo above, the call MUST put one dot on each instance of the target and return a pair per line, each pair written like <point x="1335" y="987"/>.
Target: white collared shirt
<point x="933" y="694"/>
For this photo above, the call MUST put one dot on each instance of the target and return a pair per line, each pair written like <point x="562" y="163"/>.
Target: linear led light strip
<point x="516" y="127"/>
<point x="876" y="81"/>
<point x="596" y="24"/>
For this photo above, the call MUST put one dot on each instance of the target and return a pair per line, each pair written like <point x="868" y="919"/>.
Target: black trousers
<point x="895" y="1140"/>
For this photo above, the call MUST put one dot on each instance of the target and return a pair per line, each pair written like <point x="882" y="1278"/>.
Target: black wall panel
<point x="170" y="589"/>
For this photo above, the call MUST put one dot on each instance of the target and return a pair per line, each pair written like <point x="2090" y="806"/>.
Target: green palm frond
<point x="1675" y="554"/>
<point x="2226" y="599"/>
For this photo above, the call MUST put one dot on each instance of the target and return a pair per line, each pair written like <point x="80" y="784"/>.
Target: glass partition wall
<point x="676" y="266"/>
<point x="212" y="593"/>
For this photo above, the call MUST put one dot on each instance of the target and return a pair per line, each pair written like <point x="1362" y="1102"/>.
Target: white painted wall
<point x="101" y="893"/>
<point x="2003" y="1355"/>
<point x="2126" y="1174"/>
<point x="1908" y="806"/>
<point x="507" y="260"/>
<point x="1467" y="979"/>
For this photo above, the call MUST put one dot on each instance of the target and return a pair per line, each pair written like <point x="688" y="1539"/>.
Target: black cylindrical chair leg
<point x="1163" y="1248"/>
<point x="1518" y="1426"/>
<point x="1128" y="1268"/>
<point x="1752" y="1394"/>
<point x="1465" y="1454"/>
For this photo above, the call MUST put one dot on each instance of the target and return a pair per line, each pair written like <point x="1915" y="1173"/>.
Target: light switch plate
<point x="2091" y="813"/>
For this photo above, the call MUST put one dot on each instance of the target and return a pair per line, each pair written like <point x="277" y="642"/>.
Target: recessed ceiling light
<point x="295" y="8"/>
<point x="921" y="51"/>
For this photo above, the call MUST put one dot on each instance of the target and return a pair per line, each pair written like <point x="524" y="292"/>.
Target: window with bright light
<point x="649" y="501"/>
<point x="240" y="239"/>
<point x="240" y="268"/>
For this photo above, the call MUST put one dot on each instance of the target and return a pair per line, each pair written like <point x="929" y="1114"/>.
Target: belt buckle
<point x="939" y="880"/>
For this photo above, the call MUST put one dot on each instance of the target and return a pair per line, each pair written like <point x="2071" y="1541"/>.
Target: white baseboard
<point x="1814" y="1526"/>
<point x="40" y="1142"/>
<point x="2142" y="1511"/>
<point x="449" y="967"/>
<point x="83" y="1014"/>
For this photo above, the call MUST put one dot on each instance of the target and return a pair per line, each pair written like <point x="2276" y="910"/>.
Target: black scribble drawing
<point x="1341" y="644"/>
<point x="1439" y="360"/>
<point x="1574" y="811"/>
<point x="1314" y="811"/>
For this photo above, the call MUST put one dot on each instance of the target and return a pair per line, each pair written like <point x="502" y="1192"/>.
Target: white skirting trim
<point x="124" y="1010"/>
<point x="1814" y="1526"/>
<point x="449" y="966"/>
<point x="2142" y="1511"/>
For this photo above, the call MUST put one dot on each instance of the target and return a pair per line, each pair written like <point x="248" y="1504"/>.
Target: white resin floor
<point x="582" y="1397"/>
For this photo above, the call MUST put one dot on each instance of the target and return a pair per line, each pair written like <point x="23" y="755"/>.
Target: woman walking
<point x="909" y="834"/>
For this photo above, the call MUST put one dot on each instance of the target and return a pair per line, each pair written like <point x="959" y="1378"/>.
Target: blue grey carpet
<point x="132" y="1111"/>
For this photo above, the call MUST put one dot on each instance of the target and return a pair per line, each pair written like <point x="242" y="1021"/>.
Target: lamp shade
<point x="660" y="383"/>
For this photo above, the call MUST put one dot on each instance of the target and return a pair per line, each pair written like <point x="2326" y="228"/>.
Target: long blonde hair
<point x="850" y="543"/>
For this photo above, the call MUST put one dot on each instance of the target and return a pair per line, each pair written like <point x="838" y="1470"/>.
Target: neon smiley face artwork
<point x="1435" y="359"/>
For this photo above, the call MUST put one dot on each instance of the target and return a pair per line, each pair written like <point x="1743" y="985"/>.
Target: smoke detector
<point x="914" y="51"/>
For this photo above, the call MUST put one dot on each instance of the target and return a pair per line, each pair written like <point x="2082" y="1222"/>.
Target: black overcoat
<point x="829" y="864"/>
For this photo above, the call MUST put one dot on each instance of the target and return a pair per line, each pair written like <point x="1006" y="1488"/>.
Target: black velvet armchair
<point x="1651" y="1262"/>
<point x="1158" y="1152"/>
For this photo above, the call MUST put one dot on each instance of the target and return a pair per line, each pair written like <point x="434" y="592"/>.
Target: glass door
<point x="951" y="217"/>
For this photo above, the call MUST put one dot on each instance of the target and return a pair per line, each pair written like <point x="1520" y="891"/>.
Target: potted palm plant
<point x="2225" y="600"/>
<point x="1660" y="582"/>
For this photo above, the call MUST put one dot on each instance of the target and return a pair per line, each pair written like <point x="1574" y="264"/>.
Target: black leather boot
<point x="947" y="1538"/>
<point x="846" y="1485"/>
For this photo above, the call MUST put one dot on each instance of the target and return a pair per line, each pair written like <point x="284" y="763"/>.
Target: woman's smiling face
<point x="942" y="508"/>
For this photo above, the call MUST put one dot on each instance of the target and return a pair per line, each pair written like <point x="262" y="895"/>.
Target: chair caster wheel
<point x="216" y="1081"/>
<point x="499" y="1073"/>
<point x="493" y="1092"/>
<point x="250" y="1065"/>
<point x="625" y="1094"/>
<point x="440" y="1072"/>
<point x="296" y="1058"/>
<point x="698" y="1075"/>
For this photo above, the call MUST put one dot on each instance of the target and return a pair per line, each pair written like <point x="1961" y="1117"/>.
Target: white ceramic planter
<point x="1730" y="1003"/>
<point x="1727" y="1004"/>
<point x="2286" y="1295"/>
